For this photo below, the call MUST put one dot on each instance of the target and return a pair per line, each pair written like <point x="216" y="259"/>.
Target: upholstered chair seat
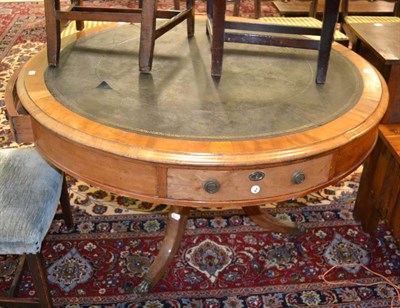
<point x="30" y="190"/>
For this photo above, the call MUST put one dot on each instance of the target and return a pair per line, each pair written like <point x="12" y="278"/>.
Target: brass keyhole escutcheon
<point x="256" y="176"/>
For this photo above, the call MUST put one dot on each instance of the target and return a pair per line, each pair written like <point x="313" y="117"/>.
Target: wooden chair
<point x="29" y="195"/>
<point x="253" y="33"/>
<point x="310" y="21"/>
<point x="146" y="15"/>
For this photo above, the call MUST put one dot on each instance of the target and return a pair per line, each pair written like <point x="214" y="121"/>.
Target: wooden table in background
<point x="379" y="43"/>
<point x="301" y="8"/>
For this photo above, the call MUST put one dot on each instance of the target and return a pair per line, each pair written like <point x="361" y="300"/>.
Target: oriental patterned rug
<point x="224" y="260"/>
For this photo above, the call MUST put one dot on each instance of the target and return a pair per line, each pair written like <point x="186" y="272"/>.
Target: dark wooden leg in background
<point x="80" y="24"/>
<point x="271" y="223"/>
<point x="190" y="4"/>
<point x="52" y="31"/>
<point x="65" y="204"/>
<point x="236" y="7"/>
<point x="147" y="35"/>
<point x="328" y="29"/>
<point x="257" y="8"/>
<point x="13" y="292"/>
<point x="39" y="276"/>
<point x="379" y="193"/>
<point x="175" y="228"/>
<point x="389" y="207"/>
<point x="372" y="180"/>
<point x="218" y="33"/>
<point x="392" y="78"/>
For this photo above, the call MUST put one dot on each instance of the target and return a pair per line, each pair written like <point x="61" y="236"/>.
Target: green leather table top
<point x="263" y="92"/>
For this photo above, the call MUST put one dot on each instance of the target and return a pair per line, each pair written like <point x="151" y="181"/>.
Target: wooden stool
<point x="379" y="193"/>
<point x="250" y="34"/>
<point x="29" y="195"/>
<point x="146" y="16"/>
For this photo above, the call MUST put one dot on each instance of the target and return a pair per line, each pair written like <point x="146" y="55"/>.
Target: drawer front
<point x="226" y="185"/>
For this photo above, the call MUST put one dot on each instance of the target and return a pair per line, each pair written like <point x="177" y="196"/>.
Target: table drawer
<point x="226" y="185"/>
<point x="20" y="121"/>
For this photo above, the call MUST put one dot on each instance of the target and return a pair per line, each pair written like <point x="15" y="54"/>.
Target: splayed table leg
<point x="271" y="223"/>
<point x="175" y="228"/>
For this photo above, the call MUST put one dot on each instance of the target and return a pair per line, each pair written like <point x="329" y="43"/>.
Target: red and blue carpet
<point x="224" y="260"/>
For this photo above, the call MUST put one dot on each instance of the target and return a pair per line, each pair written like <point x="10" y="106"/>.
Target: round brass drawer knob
<point x="211" y="186"/>
<point x="298" y="177"/>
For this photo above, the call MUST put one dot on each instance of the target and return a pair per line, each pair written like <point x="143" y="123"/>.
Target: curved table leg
<point x="271" y="223"/>
<point x="175" y="228"/>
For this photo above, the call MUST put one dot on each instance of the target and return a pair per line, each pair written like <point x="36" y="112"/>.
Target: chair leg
<point x="236" y="7"/>
<point x="39" y="276"/>
<point x="217" y="42"/>
<point x="328" y="29"/>
<point x="176" y="4"/>
<point x="52" y="31"/>
<point x="257" y="8"/>
<point x="80" y="24"/>
<point x="190" y="21"/>
<point x="65" y="204"/>
<point x="11" y="299"/>
<point x="147" y="35"/>
<point x="13" y="292"/>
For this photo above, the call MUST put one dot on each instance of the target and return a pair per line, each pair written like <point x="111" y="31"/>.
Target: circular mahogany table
<point x="262" y="133"/>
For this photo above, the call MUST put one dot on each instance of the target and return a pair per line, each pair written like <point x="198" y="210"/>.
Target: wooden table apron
<point x="174" y="171"/>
